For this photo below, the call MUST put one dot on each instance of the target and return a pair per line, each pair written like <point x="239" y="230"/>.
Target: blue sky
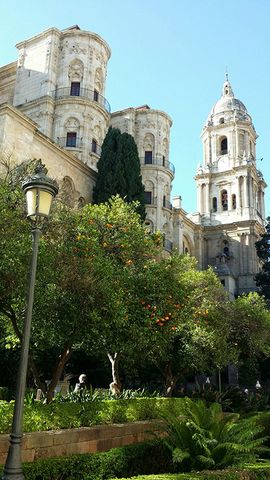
<point x="171" y="55"/>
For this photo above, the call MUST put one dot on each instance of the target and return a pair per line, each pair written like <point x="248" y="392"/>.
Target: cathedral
<point x="53" y="107"/>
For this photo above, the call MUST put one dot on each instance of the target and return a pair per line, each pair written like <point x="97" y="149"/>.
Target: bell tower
<point x="230" y="193"/>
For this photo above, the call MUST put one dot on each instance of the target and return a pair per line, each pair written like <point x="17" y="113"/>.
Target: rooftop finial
<point x="226" y="74"/>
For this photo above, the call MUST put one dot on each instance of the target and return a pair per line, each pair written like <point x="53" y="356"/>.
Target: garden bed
<point x="56" y="416"/>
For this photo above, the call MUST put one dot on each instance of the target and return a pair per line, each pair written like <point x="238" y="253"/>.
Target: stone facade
<point x="20" y="139"/>
<point x="52" y="106"/>
<point x="230" y="194"/>
<point x="151" y="131"/>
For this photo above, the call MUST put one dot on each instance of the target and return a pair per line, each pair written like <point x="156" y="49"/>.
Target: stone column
<point x="214" y="147"/>
<point x="263" y="206"/>
<point x="245" y="199"/>
<point x="236" y="143"/>
<point x="207" y="209"/>
<point x="246" y="145"/>
<point x="199" y="198"/>
<point x="159" y="194"/>
<point x="229" y="193"/>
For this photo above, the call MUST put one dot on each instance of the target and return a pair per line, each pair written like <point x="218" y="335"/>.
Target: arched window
<point x="164" y="201"/>
<point x="94" y="145"/>
<point x="66" y="194"/>
<point x="149" y="225"/>
<point x="71" y="139"/>
<point x="233" y="201"/>
<point x="224" y="146"/>
<point x="226" y="248"/>
<point x="221" y="120"/>
<point x="148" y="157"/>
<point x="224" y="200"/>
<point x="75" y="89"/>
<point x="148" y="197"/>
<point x="214" y="204"/>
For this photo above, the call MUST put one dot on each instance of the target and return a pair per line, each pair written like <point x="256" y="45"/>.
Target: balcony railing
<point x="158" y="161"/>
<point x="78" y="143"/>
<point x="151" y="203"/>
<point x="167" y="204"/>
<point x="92" y="95"/>
<point x="168" y="245"/>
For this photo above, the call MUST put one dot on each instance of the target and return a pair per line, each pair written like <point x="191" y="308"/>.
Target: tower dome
<point x="227" y="107"/>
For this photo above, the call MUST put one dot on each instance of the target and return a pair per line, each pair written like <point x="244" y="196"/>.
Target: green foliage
<point x="250" y="472"/>
<point x="150" y="457"/>
<point x="250" y="325"/>
<point x="86" y="269"/>
<point x="56" y="415"/>
<point x="83" y="396"/>
<point x="187" y="309"/>
<point x="233" y="399"/>
<point x="119" y="171"/>
<point x="204" y="438"/>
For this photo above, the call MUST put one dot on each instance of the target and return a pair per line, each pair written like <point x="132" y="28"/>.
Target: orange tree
<point x="250" y="330"/>
<point x="61" y="283"/>
<point x="86" y="268"/>
<point x="119" y="246"/>
<point x="189" y="317"/>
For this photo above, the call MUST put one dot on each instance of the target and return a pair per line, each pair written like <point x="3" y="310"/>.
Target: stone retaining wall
<point x="58" y="443"/>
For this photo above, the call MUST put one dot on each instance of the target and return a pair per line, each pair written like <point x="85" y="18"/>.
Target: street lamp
<point x="39" y="190"/>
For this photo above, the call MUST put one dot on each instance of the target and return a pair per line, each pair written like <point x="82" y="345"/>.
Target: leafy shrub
<point x="203" y="437"/>
<point x="150" y="457"/>
<point x="38" y="416"/>
<point x="233" y="399"/>
<point x="261" y="473"/>
<point x="91" y="395"/>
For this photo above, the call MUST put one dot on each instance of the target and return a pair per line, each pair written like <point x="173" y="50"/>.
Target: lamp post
<point x="39" y="190"/>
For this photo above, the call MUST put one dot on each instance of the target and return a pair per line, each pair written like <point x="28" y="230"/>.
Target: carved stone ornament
<point x="76" y="48"/>
<point x="75" y="70"/>
<point x="72" y="123"/>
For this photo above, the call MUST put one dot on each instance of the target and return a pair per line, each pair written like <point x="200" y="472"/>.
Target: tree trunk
<point x="63" y="358"/>
<point x="58" y="370"/>
<point x="34" y="370"/>
<point x="170" y="379"/>
<point x="114" y="359"/>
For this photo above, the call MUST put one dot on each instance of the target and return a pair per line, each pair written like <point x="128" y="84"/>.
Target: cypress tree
<point x="119" y="170"/>
<point x="263" y="251"/>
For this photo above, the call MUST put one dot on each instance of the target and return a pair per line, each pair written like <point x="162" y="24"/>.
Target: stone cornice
<point x="182" y="214"/>
<point x="93" y="35"/>
<point x="238" y="226"/>
<point x="65" y="33"/>
<point x="38" y="36"/>
<point x="82" y="101"/>
<point x="8" y="70"/>
<point x="142" y="111"/>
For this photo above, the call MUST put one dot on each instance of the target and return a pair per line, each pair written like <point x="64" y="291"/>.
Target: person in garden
<point x="81" y="385"/>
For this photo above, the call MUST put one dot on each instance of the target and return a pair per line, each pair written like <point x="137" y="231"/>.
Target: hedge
<point x="56" y="416"/>
<point x="254" y="472"/>
<point x="148" y="460"/>
<point x="144" y="458"/>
